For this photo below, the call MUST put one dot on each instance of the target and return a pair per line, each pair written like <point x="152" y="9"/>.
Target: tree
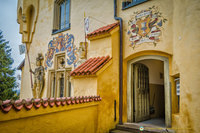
<point x="7" y="79"/>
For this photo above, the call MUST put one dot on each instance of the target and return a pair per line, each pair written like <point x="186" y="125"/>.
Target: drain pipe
<point x="120" y="63"/>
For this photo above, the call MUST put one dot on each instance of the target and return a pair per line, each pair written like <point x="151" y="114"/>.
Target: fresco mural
<point x="145" y="26"/>
<point x="64" y="42"/>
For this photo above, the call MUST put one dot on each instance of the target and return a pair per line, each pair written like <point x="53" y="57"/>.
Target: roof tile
<point x="17" y="105"/>
<point x="91" y="66"/>
<point x="103" y="30"/>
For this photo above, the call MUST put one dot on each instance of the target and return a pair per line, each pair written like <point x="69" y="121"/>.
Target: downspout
<point x="120" y="63"/>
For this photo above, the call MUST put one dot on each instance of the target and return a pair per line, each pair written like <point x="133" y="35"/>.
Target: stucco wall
<point x="186" y="40"/>
<point x="165" y="45"/>
<point x="100" y="15"/>
<point x="79" y="118"/>
<point x="156" y="68"/>
<point x="100" y="47"/>
<point x="108" y="88"/>
<point x="39" y="44"/>
<point x="180" y="38"/>
<point x="179" y="42"/>
<point x="84" y="86"/>
<point x="105" y="83"/>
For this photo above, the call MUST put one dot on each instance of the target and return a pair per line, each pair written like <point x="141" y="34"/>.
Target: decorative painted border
<point x="63" y="42"/>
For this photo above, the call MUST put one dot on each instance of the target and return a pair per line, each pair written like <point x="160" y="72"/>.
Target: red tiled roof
<point x="17" y="105"/>
<point x="91" y="66"/>
<point x="102" y="30"/>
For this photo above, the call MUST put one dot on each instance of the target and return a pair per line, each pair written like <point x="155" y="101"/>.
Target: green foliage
<point x="7" y="79"/>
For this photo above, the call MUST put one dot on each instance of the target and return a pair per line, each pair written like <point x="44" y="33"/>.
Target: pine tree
<point x="7" y="79"/>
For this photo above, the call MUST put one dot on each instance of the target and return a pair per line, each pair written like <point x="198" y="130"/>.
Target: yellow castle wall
<point x="78" y="118"/>
<point x="100" y="12"/>
<point x="108" y="88"/>
<point x="166" y="38"/>
<point x="179" y="42"/>
<point x="186" y="55"/>
<point x="106" y="82"/>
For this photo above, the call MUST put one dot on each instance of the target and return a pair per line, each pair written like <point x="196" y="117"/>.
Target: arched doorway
<point x="148" y="96"/>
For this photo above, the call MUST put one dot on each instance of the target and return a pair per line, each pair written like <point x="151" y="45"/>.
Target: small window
<point x="177" y="82"/>
<point x="61" y="20"/>
<point x="53" y="85"/>
<point x="59" y="81"/>
<point x="129" y="3"/>
<point x="61" y="85"/>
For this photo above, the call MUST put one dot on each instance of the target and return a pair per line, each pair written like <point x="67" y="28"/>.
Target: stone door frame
<point x="167" y="89"/>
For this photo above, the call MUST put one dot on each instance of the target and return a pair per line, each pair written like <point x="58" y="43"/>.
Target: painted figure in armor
<point x="38" y="77"/>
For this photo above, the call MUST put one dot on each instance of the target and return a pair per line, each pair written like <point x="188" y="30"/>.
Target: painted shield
<point x="144" y="27"/>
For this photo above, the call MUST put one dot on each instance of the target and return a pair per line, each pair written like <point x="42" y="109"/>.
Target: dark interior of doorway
<point x="156" y="93"/>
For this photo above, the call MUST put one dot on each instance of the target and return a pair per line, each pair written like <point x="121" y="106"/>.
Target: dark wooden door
<point x="141" y="92"/>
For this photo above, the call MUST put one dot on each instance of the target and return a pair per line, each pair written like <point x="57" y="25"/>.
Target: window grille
<point x="61" y="20"/>
<point x="129" y="3"/>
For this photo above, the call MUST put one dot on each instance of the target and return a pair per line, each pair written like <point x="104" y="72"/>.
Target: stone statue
<point x="83" y="50"/>
<point x="38" y="77"/>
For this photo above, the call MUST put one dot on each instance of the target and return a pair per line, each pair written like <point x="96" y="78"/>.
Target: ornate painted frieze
<point x="145" y="26"/>
<point x="64" y="42"/>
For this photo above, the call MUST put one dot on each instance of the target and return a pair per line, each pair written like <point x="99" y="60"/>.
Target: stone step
<point x="135" y="128"/>
<point x="119" y="131"/>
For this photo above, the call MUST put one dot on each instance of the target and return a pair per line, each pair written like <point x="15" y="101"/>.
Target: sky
<point x="10" y="28"/>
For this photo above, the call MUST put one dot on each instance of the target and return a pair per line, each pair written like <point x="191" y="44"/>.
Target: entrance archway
<point x="130" y="87"/>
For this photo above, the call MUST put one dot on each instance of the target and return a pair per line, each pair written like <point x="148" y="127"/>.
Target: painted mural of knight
<point x="59" y="44"/>
<point x="38" y="77"/>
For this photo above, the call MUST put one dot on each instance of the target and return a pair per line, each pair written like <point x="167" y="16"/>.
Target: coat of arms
<point x="145" y="26"/>
<point x="64" y="42"/>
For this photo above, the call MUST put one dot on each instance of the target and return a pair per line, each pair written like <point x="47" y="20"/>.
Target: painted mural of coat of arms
<point x="145" y="26"/>
<point x="62" y="43"/>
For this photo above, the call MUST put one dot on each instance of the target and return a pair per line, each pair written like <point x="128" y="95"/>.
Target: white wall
<point x="155" y="68"/>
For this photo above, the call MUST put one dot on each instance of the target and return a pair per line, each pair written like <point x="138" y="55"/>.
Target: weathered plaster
<point x="51" y="119"/>
<point x="100" y="47"/>
<point x="83" y="86"/>
<point x="44" y="26"/>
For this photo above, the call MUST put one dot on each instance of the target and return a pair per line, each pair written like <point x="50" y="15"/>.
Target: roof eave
<point x="102" y="34"/>
<point x="21" y="65"/>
